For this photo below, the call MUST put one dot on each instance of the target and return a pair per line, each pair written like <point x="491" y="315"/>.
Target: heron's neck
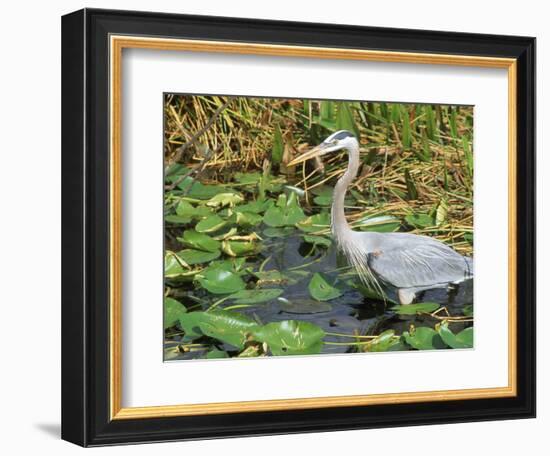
<point x="340" y="225"/>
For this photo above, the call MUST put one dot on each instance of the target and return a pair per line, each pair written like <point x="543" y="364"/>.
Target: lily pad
<point x="229" y="264"/>
<point x="380" y="224"/>
<point x="197" y="190"/>
<point x="321" y="290"/>
<point x="225" y="199"/>
<point x="384" y="342"/>
<point x="317" y="240"/>
<point x="189" y="322"/>
<point x="248" y="178"/>
<point x="291" y="337"/>
<point x="239" y="248"/>
<point x="420" y="220"/>
<point x="175" y="170"/>
<point x="173" y="310"/>
<point x="210" y="224"/>
<point x="187" y="210"/>
<point x="192" y="256"/>
<point x="315" y="223"/>
<point x="177" y="219"/>
<point x="413" y="309"/>
<point x="323" y="200"/>
<point x="286" y="212"/>
<point x="255" y="296"/>
<point x="464" y="339"/>
<point x="221" y="281"/>
<point x="322" y="190"/>
<point x="228" y="327"/>
<point x="256" y="207"/>
<point x="199" y="241"/>
<point x="176" y="269"/>
<point x="275" y="276"/>
<point x="423" y="338"/>
<point x="278" y="232"/>
<point x="246" y="219"/>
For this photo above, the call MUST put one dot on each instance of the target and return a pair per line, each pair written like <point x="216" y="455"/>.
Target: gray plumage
<point x="408" y="262"/>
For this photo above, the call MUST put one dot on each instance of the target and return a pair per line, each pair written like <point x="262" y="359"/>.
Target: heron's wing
<point x="420" y="265"/>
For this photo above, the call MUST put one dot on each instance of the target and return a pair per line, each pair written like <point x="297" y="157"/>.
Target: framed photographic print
<point x="274" y="227"/>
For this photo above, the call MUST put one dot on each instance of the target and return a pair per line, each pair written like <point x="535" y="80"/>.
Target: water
<point x="352" y="313"/>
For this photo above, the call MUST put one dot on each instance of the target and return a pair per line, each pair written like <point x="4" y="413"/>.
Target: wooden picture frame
<point x="92" y="45"/>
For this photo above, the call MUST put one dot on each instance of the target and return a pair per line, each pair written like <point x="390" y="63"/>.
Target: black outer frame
<point x="85" y="227"/>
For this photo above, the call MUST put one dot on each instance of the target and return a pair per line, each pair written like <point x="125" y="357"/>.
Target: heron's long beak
<point x="315" y="152"/>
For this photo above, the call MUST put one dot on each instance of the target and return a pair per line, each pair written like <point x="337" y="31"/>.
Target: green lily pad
<point x="420" y="220"/>
<point x="176" y="269"/>
<point x="225" y="199"/>
<point x="321" y="290"/>
<point x="246" y="219"/>
<point x="189" y="322"/>
<point x="323" y="200"/>
<point x="240" y="248"/>
<point x="199" y="241"/>
<point x="175" y="170"/>
<point x="221" y="281"/>
<point x="276" y="216"/>
<point x="424" y="338"/>
<point x="317" y="240"/>
<point x="384" y="342"/>
<point x="275" y="276"/>
<point x="315" y="223"/>
<point x="413" y="309"/>
<point x="291" y="337"/>
<point x="187" y="210"/>
<point x="177" y="219"/>
<point x="210" y="224"/>
<point x="322" y="190"/>
<point x="229" y="264"/>
<point x="464" y="339"/>
<point x="197" y="190"/>
<point x="380" y="224"/>
<point x="192" y="256"/>
<point x="248" y="178"/>
<point x="173" y="310"/>
<point x="278" y="232"/>
<point x="228" y="327"/>
<point x="255" y="296"/>
<point x="256" y="207"/>
<point x="286" y="212"/>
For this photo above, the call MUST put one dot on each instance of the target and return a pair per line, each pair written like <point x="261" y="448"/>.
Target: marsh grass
<point x="417" y="159"/>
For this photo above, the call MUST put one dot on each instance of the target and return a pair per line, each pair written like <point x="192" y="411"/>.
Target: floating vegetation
<point x="251" y="268"/>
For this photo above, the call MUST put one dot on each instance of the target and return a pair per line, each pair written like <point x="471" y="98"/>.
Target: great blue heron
<point x="407" y="262"/>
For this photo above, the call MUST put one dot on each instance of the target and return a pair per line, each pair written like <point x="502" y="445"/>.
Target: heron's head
<point x="342" y="139"/>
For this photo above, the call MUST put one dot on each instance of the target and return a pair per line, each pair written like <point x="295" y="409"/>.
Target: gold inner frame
<point x="117" y="44"/>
